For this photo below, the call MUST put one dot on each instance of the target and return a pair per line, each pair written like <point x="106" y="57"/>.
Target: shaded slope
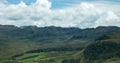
<point x="103" y="50"/>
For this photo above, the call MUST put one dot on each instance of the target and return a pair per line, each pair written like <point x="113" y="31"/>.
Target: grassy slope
<point x="48" y="57"/>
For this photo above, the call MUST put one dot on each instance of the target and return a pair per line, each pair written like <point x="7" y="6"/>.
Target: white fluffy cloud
<point x="83" y="15"/>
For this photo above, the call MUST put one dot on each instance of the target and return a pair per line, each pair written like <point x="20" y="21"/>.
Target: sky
<point x="62" y="13"/>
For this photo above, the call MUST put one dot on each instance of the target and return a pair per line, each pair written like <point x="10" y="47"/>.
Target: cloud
<point x="83" y="15"/>
<point x="3" y="1"/>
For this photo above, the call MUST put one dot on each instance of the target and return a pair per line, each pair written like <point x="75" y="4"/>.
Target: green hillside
<point x="104" y="51"/>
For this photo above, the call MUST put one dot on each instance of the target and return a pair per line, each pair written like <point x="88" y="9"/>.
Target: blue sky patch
<point x="57" y="4"/>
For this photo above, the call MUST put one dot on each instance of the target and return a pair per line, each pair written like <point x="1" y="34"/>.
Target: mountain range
<point x="93" y="43"/>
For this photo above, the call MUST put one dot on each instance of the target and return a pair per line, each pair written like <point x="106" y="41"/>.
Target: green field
<point x="45" y="57"/>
